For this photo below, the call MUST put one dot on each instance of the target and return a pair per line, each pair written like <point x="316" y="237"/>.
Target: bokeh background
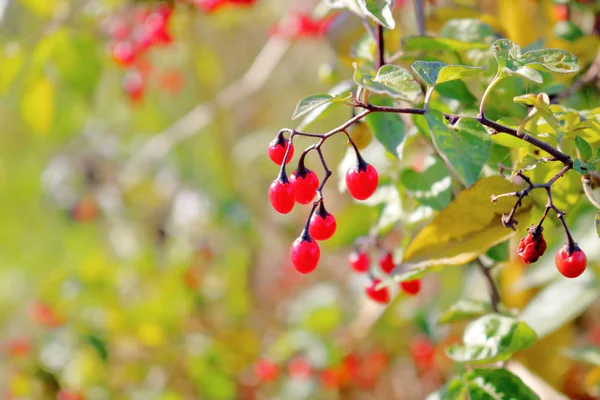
<point x="139" y="255"/>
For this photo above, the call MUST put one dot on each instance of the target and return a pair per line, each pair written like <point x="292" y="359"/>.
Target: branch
<point x="158" y="146"/>
<point x="492" y="287"/>
<point x="380" y="47"/>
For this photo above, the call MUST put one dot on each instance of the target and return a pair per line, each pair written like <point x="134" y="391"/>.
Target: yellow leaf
<point x="42" y="8"/>
<point x="468" y="227"/>
<point x="151" y="334"/>
<point x="37" y="105"/>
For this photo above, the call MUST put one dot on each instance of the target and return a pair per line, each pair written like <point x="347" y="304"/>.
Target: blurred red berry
<point x="133" y="85"/>
<point x="386" y="262"/>
<point x="379" y="295"/>
<point x="411" y="287"/>
<point x="423" y="352"/>
<point x="360" y="262"/>
<point x="18" y="347"/>
<point x="123" y="53"/>
<point x="65" y="394"/>
<point x="299" y="368"/>
<point x="44" y="315"/>
<point x="266" y="370"/>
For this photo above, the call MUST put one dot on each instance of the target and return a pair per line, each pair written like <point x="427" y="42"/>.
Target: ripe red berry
<point x="281" y="194"/>
<point x="381" y="296"/>
<point x="561" y="12"/>
<point x="299" y="368"/>
<point x="322" y="224"/>
<point x="277" y="149"/>
<point x="411" y="287"/>
<point x="571" y="264"/>
<point x="123" y="53"/>
<point x="133" y="84"/>
<point x="266" y="370"/>
<point x="305" y="184"/>
<point x="386" y="262"/>
<point x="362" y="180"/>
<point x="305" y="254"/>
<point x="360" y="262"/>
<point x="532" y="246"/>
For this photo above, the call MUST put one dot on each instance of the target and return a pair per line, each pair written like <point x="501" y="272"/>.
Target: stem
<point x="380" y="47"/>
<point x="488" y="90"/>
<point x="493" y="288"/>
<point x="420" y="15"/>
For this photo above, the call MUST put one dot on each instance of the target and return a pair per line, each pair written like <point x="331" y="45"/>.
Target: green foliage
<point x="390" y="80"/>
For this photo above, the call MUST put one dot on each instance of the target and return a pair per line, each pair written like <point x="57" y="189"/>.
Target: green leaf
<point x="584" y="148"/>
<point x="590" y="355"/>
<point x="497" y="384"/>
<point x="465" y="146"/>
<point x="512" y="62"/>
<point x="468" y="227"/>
<point x="491" y="338"/>
<point x="432" y="187"/>
<point x="559" y="303"/>
<point x="540" y="101"/>
<point x="435" y="72"/>
<point x="341" y="90"/>
<point x="425" y="43"/>
<point x="388" y="128"/>
<point x="464" y="310"/>
<point x="379" y="11"/>
<point x="453" y="390"/>
<point x="468" y="30"/>
<point x="390" y="80"/>
<point x="309" y="103"/>
<point x="582" y="167"/>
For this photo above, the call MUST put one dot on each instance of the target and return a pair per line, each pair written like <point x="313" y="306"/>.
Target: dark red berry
<point x="266" y="370"/>
<point x="305" y="184"/>
<point x="360" y="262"/>
<point x="386" y="262"/>
<point x="411" y="287"/>
<point x="123" y="53"/>
<point x="277" y="149"/>
<point x="281" y="194"/>
<point x="362" y="182"/>
<point x="571" y="264"/>
<point x="381" y="296"/>
<point x="532" y="246"/>
<point x="305" y="254"/>
<point x="322" y="224"/>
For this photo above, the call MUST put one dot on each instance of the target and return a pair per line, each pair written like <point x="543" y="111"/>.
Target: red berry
<point x="266" y="370"/>
<point x="386" y="262"/>
<point x="561" y="12"/>
<point x="532" y="246"/>
<point x="571" y="265"/>
<point x="360" y="262"/>
<point x="123" y="53"/>
<point x="322" y="224"/>
<point x="117" y="28"/>
<point x="277" y="149"/>
<point x="332" y="378"/>
<point x="305" y="254"/>
<point x="156" y="25"/>
<point x="242" y="2"/>
<point x="362" y="181"/>
<point x="299" y="368"/>
<point x="381" y="296"/>
<point x="133" y="84"/>
<point x="65" y="394"/>
<point x="423" y="351"/>
<point x="305" y="184"/>
<point x="281" y="194"/>
<point x="411" y="287"/>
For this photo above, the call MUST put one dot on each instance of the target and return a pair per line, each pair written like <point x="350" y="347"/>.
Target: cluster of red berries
<point x="570" y="260"/>
<point x="361" y="371"/>
<point x="361" y="262"/>
<point x="300" y="25"/>
<point x="302" y="187"/>
<point x="132" y="36"/>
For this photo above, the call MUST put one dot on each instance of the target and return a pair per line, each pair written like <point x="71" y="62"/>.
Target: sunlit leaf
<point x="311" y="102"/>
<point x="584" y="148"/>
<point x="388" y="128"/>
<point x="435" y="72"/>
<point x="390" y="80"/>
<point x="497" y="384"/>
<point x="464" y="310"/>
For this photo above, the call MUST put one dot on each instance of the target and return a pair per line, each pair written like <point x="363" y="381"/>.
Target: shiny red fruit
<point x="386" y="262"/>
<point x="532" y="246"/>
<point x="305" y="254"/>
<point x="133" y="85"/>
<point x="281" y="194"/>
<point x="266" y="370"/>
<point x="322" y="224"/>
<point x="571" y="265"/>
<point x="362" y="182"/>
<point x="123" y="53"/>
<point x="380" y="296"/>
<point x="360" y="262"/>
<point x="411" y="287"/>
<point x="299" y="368"/>
<point x="277" y="149"/>
<point x="305" y="184"/>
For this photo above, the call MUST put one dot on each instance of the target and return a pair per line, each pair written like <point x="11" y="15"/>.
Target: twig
<point x="420" y="14"/>
<point x="380" y="47"/>
<point x="492" y="287"/>
<point x="191" y="123"/>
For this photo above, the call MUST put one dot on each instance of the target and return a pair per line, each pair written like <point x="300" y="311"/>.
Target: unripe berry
<point x="411" y="287"/>
<point x="362" y="180"/>
<point x="571" y="264"/>
<point x="322" y="224"/>
<point x="281" y="194"/>
<point x="380" y="296"/>
<point x="532" y="246"/>
<point x="361" y="134"/>
<point x="386" y="262"/>
<point x="305" y="254"/>
<point x="277" y="149"/>
<point x="305" y="184"/>
<point x="360" y="262"/>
